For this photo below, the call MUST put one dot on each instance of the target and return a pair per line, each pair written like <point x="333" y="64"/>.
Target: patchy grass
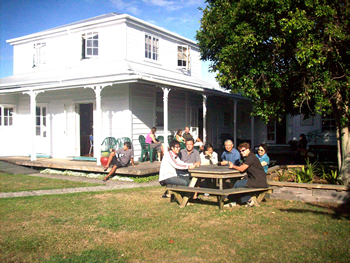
<point x="17" y="183"/>
<point x="137" y="225"/>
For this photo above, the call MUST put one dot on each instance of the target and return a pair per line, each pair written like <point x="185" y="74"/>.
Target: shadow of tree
<point x="336" y="211"/>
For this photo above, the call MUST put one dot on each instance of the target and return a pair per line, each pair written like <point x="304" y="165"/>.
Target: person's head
<point x="302" y="137"/>
<point x="189" y="145"/>
<point x="174" y="146"/>
<point x="179" y="132"/>
<point x="262" y="149"/>
<point x="208" y="147"/>
<point x="187" y="130"/>
<point x="228" y="145"/>
<point x="127" y="145"/>
<point x="244" y="149"/>
<point x="153" y="130"/>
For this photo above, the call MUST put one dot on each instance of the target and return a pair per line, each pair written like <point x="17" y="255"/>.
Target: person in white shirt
<point x="171" y="164"/>
<point x="208" y="156"/>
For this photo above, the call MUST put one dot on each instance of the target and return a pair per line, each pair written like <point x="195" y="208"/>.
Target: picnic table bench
<point x="181" y="193"/>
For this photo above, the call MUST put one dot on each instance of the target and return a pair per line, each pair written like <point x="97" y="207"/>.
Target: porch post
<point x="166" y="119"/>
<point x="204" y="118"/>
<point x="98" y="121"/>
<point x="235" y="123"/>
<point x="33" y="95"/>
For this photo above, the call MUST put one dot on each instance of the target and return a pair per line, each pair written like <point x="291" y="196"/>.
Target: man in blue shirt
<point x="230" y="155"/>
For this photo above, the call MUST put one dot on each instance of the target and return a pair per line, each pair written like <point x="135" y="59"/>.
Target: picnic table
<point x="220" y="173"/>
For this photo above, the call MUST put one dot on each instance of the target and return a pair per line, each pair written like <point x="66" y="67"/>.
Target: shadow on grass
<point x="335" y="211"/>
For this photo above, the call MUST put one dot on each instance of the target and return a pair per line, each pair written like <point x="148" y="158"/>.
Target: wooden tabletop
<point x="215" y="171"/>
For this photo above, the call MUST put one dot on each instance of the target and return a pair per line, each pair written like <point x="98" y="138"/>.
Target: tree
<point x="287" y="56"/>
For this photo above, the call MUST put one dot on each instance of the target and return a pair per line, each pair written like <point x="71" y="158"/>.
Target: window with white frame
<point x="6" y="115"/>
<point x="90" y="45"/>
<point x="151" y="47"/>
<point x="39" y="54"/>
<point x="328" y="123"/>
<point x="40" y="121"/>
<point x="183" y="57"/>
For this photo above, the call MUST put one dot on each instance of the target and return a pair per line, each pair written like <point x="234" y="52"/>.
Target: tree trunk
<point x="344" y="155"/>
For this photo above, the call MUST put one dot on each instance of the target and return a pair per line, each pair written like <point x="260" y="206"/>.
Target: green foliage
<point x="145" y="179"/>
<point x="331" y="176"/>
<point x="306" y="173"/>
<point x="288" y="57"/>
<point x="284" y="175"/>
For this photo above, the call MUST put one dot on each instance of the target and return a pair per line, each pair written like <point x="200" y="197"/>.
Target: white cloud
<point x="173" y="5"/>
<point x="128" y="7"/>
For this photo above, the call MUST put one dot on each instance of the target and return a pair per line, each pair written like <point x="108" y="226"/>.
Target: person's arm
<point x="132" y="161"/>
<point x="240" y="168"/>
<point x="153" y="138"/>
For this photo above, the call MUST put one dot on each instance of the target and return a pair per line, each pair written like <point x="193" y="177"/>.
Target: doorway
<point x="86" y="128"/>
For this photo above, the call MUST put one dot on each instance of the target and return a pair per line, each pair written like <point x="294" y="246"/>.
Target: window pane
<point x="89" y="43"/>
<point x="89" y="51"/>
<point x="95" y="43"/>
<point x="10" y="121"/>
<point x="95" y="51"/>
<point x="6" y="123"/>
<point x="38" y="111"/>
<point x="37" y="121"/>
<point x="38" y="130"/>
<point x="44" y="111"/>
<point x="44" y="134"/>
<point x="44" y="120"/>
<point x="159" y="119"/>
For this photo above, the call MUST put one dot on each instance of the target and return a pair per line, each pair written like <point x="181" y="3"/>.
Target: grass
<point x="18" y="182"/>
<point x="137" y="225"/>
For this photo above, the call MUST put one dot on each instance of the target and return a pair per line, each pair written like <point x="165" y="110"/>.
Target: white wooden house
<point x="111" y="75"/>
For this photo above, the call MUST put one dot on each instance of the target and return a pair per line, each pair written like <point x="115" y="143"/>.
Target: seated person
<point x="170" y="166"/>
<point x="208" y="156"/>
<point x="255" y="178"/>
<point x="119" y="158"/>
<point x="154" y="144"/>
<point x="187" y="136"/>
<point x="230" y="155"/>
<point x="262" y="156"/>
<point x="179" y="137"/>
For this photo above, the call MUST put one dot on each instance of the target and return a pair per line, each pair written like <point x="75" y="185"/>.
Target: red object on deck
<point x="104" y="161"/>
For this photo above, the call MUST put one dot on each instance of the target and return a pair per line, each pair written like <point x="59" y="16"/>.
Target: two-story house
<point x="111" y="75"/>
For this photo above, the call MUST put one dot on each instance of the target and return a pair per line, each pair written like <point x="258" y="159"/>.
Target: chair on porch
<point x="122" y="141"/>
<point x="160" y="138"/>
<point x="145" y="149"/>
<point x="107" y="144"/>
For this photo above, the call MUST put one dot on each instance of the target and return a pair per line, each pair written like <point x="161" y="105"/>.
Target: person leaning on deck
<point x="119" y="158"/>
<point x="255" y="178"/>
<point x="187" y="136"/>
<point x="170" y="166"/>
<point x="230" y="155"/>
<point x="179" y="137"/>
<point x="154" y="144"/>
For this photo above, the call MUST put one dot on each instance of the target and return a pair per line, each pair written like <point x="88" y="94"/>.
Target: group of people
<point x="176" y="163"/>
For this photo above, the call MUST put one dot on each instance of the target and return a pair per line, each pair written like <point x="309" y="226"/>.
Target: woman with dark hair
<point x="262" y="156"/>
<point x="179" y="137"/>
<point x="208" y="156"/>
<point x="154" y="144"/>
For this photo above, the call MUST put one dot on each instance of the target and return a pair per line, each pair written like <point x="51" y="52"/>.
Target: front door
<point x="86" y="123"/>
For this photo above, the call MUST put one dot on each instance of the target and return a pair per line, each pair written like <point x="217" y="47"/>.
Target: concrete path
<point x="109" y="185"/>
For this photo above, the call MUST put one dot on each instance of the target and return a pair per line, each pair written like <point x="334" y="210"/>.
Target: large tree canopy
<point x="288" y="56"/>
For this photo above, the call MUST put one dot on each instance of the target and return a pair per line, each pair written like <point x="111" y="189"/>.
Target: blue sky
<point x="23" y="17"/>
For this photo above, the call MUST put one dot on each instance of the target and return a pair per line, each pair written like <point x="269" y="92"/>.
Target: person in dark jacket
<point x="255" y="178"/>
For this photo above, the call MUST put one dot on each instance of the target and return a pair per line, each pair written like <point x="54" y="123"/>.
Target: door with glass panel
<point x="41" y="130"/>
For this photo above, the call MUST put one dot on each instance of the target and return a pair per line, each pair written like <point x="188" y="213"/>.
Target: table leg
<point x="220" y="184"/>
<point x="185" y="198"/>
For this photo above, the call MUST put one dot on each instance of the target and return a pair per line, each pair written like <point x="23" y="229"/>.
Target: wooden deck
<point x="141" y="169"/>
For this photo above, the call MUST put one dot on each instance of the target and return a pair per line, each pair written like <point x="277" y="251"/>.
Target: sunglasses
<point x="243" y="150"/>
<point x="177" y="147"/>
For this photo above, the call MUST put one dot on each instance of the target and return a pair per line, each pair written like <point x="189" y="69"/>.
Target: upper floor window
<point x="6" y="115"/>
<point x="183" y="57"/>
<point x="151" y="47"/>
<point x="39" y="54"/>
<point x="328" y="123"/>
<point x="90" y="45"/>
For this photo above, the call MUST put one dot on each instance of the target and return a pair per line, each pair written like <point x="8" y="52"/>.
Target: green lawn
<point x="18" y="182"/>
<point x="137" y="225"/>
